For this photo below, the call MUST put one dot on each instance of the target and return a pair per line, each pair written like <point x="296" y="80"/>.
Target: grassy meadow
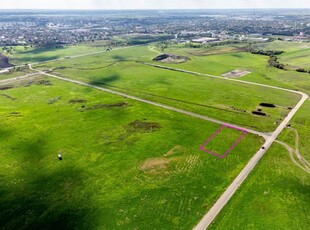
<point x="276" y="194"/>
<point x="125" y="164"/>
<point x="220" y="60"/>
<point x="296" y="54"/>
<point x="21" y="55"/>
<point x="228" y="101"/>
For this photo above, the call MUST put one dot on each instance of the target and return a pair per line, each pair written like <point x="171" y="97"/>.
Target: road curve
<point x="209" y="217"/>
<point x="225" y="197"/>
<point x="269" y="139"/>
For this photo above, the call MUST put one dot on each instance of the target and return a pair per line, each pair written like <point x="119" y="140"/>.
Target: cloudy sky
<point x="151" y="4"/>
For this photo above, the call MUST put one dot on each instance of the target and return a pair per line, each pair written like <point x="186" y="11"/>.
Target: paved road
<point x="264" y="135"/>
<point x="222" y="78"/>
<point x="225" y="197"/>
<point x="269" y="139"/>
<point x="222" y="201"/>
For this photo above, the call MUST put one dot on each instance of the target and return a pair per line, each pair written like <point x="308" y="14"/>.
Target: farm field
<point x="21" y="55"/>
<point x="276" y="194"/>
<point x="228" y="101"/>
<point x="224" y="61"/>
<point x="285" y="46"/>
<point x="125" y="164"/>
<point x="123" y="160"/>
<point x="296" y="54"/>
<point x="297" y="59"/>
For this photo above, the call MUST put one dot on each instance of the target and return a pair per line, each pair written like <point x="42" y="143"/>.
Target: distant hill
<point x="4" y="61"/>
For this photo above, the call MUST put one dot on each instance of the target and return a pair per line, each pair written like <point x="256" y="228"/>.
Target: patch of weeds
<point x="43" y="82"/>
<point x="53" y="100"/>
<point x="143" y="126"/>
<point x="107" y="106"/>
<point x="77" y="101"/>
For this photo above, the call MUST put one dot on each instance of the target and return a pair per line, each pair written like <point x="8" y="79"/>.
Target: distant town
<point x="58" y="28"/>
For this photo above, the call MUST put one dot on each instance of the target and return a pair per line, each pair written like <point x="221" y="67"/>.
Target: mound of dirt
<point x="142" y="126"/>
<point x="77" y="101"/>
<point x="107" y="106"/>
<point x="4" y="61"/>
<point x="171" y="58"/>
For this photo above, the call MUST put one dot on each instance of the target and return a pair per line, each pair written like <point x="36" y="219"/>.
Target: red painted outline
<point x="230" y="148"/>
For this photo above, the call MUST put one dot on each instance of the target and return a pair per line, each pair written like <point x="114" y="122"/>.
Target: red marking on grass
<point x="202" y="147"/>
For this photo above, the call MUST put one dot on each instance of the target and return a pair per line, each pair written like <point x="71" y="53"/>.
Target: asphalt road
<point x="264" y="135"/>
<point x="269" y="139"/>
<point x="225" y="197"/>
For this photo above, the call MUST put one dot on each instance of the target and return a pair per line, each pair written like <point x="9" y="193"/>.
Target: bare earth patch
<point x="143" y="126"/>
<point x="174" y="150"/>
<point x="107" y="106"/>
<point x="77" y="101"/>
<point x="153" y="165"/>
<point x="171" y="58"/>
<point x="236" y="73"/>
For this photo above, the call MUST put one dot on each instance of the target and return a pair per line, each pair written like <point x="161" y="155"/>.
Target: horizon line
<point x="257" y="8"/>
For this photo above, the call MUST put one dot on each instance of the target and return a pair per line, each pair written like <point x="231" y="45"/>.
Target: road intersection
<point x="270" y="138"/>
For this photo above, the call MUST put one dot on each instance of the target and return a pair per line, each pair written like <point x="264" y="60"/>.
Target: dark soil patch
<point x="143" y="126"/>
<point x="15" y="114"/>
<point x="43" y="82"/>
<point x="171" y="58"/>
<point x="259" y="113"/>
<point x="267" y="105"/>
<point x="108" y="106"/>
<point x="4" y="61"/>
<point x="8" y="96"/>
<point x="77" y="101"/>
<point x="6" y="87"/>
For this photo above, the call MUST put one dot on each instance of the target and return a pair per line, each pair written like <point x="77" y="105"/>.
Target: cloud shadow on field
<point x="44" y="194"/>
<point x="105" y="80"/>
<point x="119" y="58"/>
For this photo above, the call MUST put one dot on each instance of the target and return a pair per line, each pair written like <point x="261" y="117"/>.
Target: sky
<point x="151" y="4"/>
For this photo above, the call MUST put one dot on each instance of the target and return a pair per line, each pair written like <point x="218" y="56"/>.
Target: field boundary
<point x="202" y="147"/>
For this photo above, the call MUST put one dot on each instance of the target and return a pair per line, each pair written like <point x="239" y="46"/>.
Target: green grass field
<point x="276" y="195"/>
<point x="213" y="97"/>
<point x="222" y="62"/>
<point x="13" y="74"/>
<point x="125" y="164"/>
<point x="296" y="54"/>
<point x="20" y="55"/>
